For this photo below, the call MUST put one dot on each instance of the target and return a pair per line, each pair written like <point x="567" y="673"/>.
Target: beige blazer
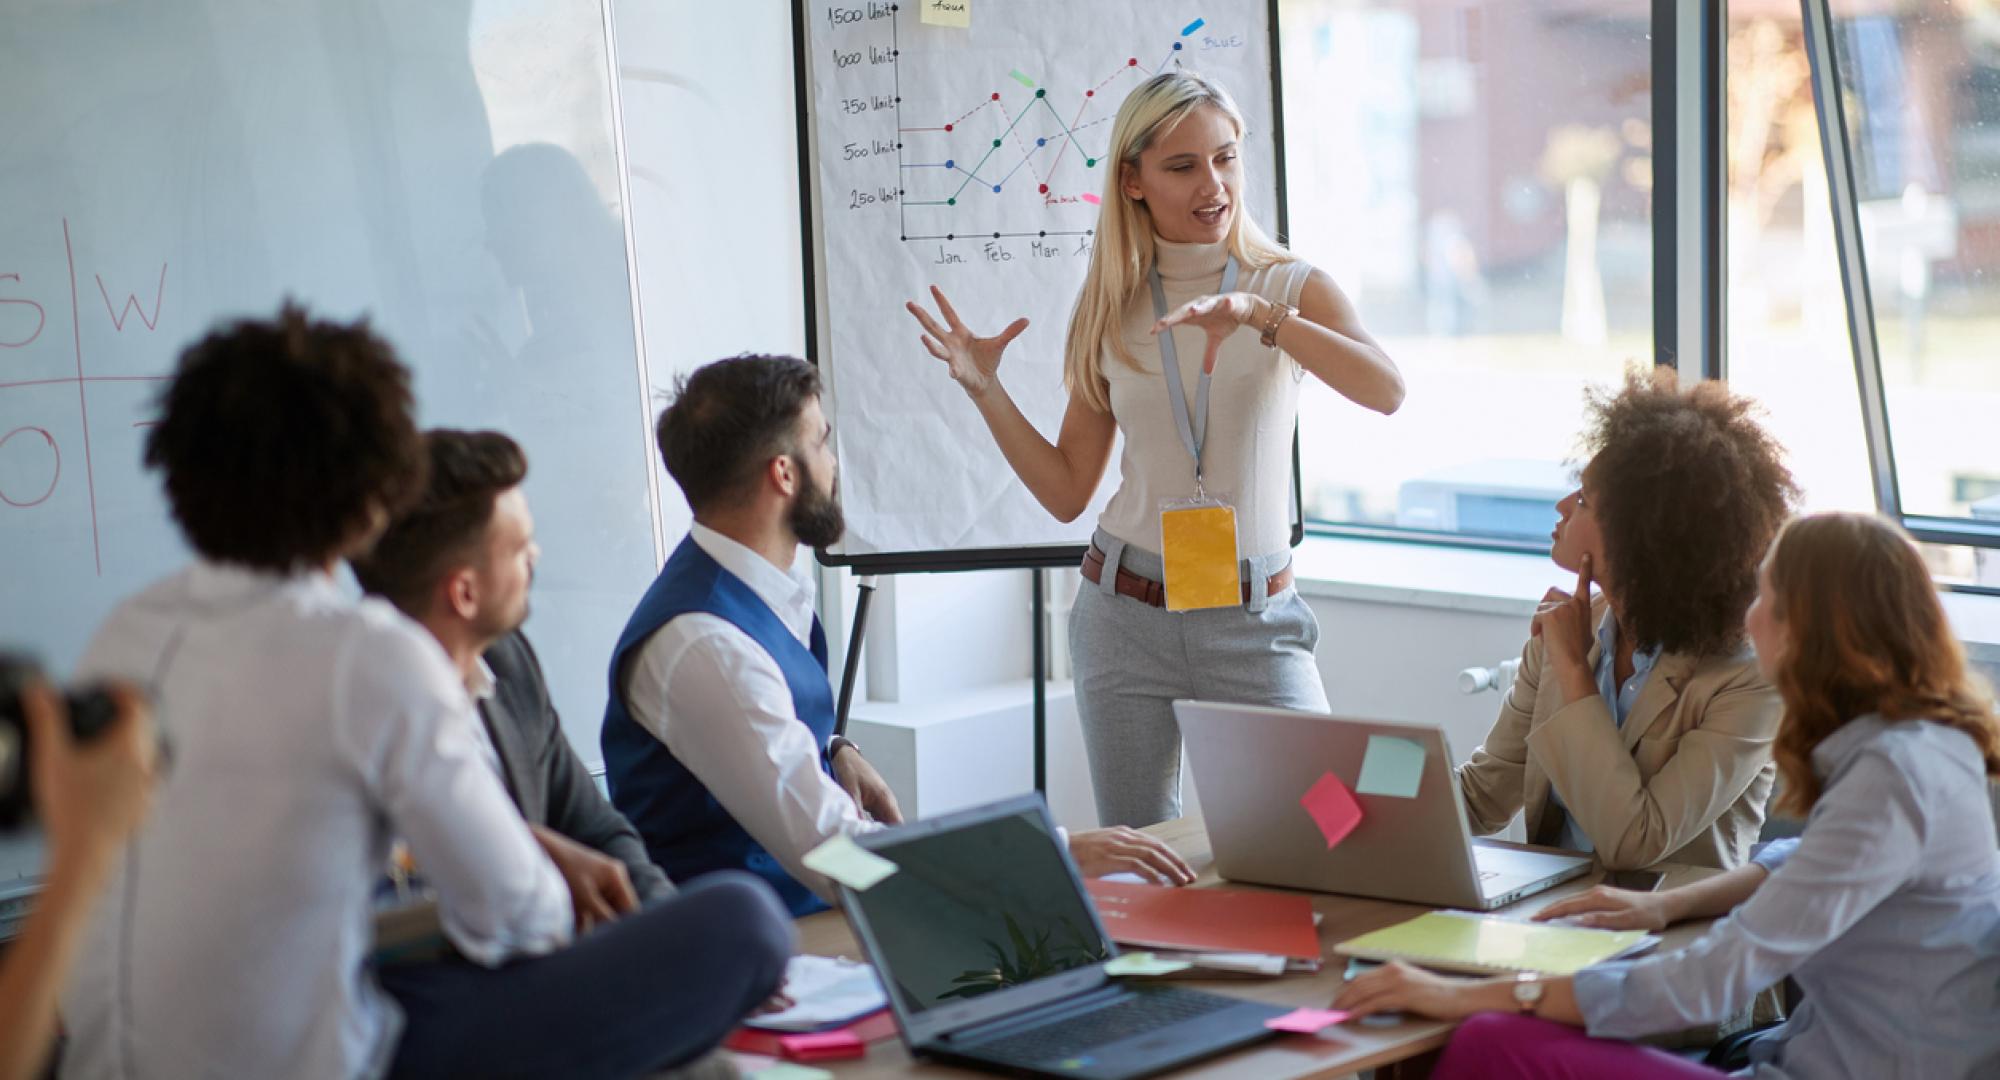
<point x="1684" y="781"/>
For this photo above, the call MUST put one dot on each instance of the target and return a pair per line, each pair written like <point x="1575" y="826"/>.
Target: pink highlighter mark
<point x="1091" y="199"/>
<point x="1333" y="809"/>
<point x="1306" y="1021"/>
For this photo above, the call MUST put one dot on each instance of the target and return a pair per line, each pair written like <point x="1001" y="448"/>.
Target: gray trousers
<point x="1132" y="660"/>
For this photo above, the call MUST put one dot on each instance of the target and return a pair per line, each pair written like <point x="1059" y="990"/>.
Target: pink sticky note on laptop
<point x="1333" y="809"/>
<point x="1306" y="1021"/>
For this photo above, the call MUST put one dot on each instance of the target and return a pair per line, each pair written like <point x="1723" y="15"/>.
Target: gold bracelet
<point x="1279" y="313"/>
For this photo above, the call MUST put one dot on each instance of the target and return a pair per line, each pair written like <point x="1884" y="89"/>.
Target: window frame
<point x="1823" y="61"/>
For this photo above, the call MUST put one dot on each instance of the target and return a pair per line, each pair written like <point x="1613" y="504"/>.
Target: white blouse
<point x="1253" y="406"/>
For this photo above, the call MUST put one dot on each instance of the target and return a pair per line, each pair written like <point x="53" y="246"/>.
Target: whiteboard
<point x="447" y="169"/>
<point x="968" y="158"/>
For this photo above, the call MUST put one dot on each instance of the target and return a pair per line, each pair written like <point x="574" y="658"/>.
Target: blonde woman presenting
<point x="1188" y="586"/>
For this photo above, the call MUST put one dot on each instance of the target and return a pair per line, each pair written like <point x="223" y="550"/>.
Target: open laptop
<point x="1252" y="766"/>
<point x="993" y="956"/>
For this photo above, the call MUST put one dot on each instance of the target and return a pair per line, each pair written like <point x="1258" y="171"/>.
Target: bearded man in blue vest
<point x="718" y="735"/>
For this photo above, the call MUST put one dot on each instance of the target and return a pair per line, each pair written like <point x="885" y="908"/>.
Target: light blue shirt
<point x="1618" y="698"/>
<point x="1886" y="910"/>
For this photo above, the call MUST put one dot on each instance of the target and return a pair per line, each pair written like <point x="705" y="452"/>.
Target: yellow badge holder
<point x="1197" y="535"/>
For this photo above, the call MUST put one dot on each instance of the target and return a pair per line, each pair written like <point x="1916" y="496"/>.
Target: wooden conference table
<point x="1336" y="1051"/>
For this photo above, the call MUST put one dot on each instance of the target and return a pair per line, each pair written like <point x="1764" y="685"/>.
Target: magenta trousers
<point x="1501" y="1046"/>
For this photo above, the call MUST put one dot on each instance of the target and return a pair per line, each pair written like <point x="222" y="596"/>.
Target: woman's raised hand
<point x="974" y="361"/>
<point x="1218" y="316"/>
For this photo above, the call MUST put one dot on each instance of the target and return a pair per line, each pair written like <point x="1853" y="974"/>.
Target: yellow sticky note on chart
<point x="947" y="12"/>
<point x="849" y="863"/>
<point x="1198" y="546"/>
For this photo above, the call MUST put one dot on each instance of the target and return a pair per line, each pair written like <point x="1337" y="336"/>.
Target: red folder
<point x="876" y="1025"/>
<point x="1207" y="920"/>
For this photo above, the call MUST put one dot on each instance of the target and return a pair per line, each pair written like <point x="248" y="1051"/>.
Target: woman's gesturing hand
<point x="1218" y="316"/>
<point x="974" y="361"/>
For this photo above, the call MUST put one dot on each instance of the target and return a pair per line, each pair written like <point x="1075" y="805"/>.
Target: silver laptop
<point x="993" y="956"/>
<point x="1253" y="765"/>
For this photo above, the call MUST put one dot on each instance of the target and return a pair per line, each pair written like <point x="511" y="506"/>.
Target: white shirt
<point x="306" y="729"/>
<point x="721" y="705"/>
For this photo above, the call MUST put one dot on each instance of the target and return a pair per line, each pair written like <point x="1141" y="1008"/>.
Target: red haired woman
<point x="1886" y="910"/>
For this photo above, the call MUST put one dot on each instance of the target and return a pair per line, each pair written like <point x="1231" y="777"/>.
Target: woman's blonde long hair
<point x="1123" y="253"/>
<point x="1865" y="634"/>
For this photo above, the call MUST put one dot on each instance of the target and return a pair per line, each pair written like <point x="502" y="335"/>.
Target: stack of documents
<point x="1491" y="944"/>
<point x="826" y="992"/>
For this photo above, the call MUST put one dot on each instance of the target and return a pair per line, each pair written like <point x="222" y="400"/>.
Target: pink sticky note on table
<point x="1333" y="809"/>
<point x="1306" y="1021"/>
<point x="820" y="1046"/>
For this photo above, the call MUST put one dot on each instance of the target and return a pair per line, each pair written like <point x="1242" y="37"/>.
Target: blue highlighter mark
<point x="1193" y="26"/>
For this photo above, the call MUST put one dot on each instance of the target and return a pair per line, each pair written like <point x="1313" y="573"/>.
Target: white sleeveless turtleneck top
<point x="1253" y="405"/>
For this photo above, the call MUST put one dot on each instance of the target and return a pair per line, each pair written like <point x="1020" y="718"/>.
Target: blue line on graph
<point x="1193" y="26"/>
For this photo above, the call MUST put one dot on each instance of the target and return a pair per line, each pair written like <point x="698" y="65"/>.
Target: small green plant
<point x="1027" y="961"/>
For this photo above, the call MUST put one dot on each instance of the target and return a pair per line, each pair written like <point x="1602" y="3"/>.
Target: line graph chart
<point x="983" y="151"/>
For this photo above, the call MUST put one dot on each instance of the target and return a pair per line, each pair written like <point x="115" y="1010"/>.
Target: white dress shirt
<point x="721" y="705"/>
<point x="306" y="730"/>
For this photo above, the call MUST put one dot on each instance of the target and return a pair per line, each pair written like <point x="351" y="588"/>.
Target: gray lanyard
<point x="1194" y="432"/>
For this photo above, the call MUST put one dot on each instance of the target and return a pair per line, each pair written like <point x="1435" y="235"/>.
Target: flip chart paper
<point x="849" y="863"/>
<point x="1392" y="766"/>
<point x="1332" y="808"/>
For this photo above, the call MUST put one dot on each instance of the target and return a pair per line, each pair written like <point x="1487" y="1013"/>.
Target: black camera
<point x="91" y="710"/>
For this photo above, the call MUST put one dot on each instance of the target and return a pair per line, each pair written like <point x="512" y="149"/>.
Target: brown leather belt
<point x="1148" y="591"/>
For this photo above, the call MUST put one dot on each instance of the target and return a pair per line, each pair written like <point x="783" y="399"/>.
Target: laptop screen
<point x="972" y="910"/>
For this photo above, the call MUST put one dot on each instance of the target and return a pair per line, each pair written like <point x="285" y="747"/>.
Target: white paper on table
<point x="825" y="991"/>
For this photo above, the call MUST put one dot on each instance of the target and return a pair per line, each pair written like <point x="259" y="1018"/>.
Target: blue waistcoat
<point x="687" y="832"/>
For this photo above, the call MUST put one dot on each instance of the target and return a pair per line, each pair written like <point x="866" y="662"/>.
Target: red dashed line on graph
<point x="1014" y="134"/>
<point x="1131" y="65"/>
<point x="975" y="109"/>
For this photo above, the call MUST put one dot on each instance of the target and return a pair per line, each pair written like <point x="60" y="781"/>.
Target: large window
<point x="1919" y="91"/>
<point x="1477" y="175"/>
<point x="1787" y="327"/>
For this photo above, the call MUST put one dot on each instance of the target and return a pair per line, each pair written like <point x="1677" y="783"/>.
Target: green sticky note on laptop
<point x="849" y="863"/>
<point x="1392" y="766"/>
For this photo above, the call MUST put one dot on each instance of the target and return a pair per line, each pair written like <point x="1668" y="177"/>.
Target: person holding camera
<point x="89" y="796"/>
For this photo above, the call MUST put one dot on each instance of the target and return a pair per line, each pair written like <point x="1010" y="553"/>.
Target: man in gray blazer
<point x="460" y="563"/>
<point x="543" y="774"/>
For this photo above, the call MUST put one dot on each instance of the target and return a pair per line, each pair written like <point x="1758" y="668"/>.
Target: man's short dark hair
<point x="281" y="439"/>
<point x="728" y="419"/>
<point x="468" y="471"/>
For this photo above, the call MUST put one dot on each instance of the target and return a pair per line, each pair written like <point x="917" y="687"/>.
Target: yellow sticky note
<point x="1144" y="963"/>
<point x="948" y="12"/>
<point x="1198" y="545"/>
<point x="849" y="863"/>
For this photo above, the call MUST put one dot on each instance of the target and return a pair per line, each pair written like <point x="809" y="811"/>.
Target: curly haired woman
<point x="1886" y="909"/>
<point x="1638" y="726"/>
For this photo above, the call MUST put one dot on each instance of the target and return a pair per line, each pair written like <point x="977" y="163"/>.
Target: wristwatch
<point x="1528" y="987"/>
<point x="834" y="744"/>
<point x="1279" y="313"/>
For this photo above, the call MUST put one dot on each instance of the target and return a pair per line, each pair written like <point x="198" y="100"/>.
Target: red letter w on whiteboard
<point x="132" y="304"/>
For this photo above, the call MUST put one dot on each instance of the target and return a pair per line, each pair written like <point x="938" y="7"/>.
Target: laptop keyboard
<point x="1135" y="1015"/>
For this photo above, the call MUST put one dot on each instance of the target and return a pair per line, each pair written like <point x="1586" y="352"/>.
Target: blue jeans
<point x="657" y="988"/>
